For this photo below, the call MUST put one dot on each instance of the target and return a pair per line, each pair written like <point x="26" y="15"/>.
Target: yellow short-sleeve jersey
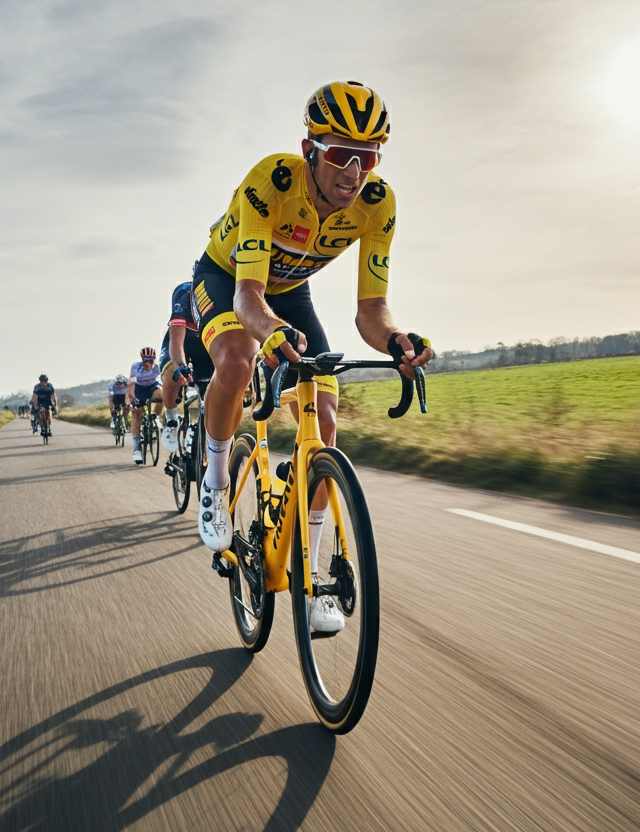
<point x="271" y="231"/>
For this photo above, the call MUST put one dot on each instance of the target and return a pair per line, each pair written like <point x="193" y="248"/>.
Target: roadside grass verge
<point x="94" y="415"/>
<point x="6" y="416"/>
<point x="563" y="432"/>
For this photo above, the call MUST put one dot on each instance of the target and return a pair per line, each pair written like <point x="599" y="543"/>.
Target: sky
<point x="125" y="127"/>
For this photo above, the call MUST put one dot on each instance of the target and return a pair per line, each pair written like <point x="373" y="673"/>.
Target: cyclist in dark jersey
<point x="44" y="396"/>
<point x="181" y="346"/>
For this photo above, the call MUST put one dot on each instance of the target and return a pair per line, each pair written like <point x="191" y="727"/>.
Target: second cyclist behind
<point x="181" y="346"/>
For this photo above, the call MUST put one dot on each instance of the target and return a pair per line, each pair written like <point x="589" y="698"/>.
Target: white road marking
<point x="625" y="554"/>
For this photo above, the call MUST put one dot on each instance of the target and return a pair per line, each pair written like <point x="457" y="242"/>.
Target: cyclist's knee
<point x="328" y="417"/>
<point x="235" y="372"/>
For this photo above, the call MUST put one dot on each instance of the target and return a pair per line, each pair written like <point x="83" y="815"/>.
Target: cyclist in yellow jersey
<point x="290" y="217"/>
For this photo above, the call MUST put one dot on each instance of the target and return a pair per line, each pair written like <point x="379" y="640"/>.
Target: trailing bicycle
<point x="44" y="420"/>
<point x="149" y="434"/>
<point x="187" y="464"/>
<point x="119" y="428"/>
<point x="270" y="551"/>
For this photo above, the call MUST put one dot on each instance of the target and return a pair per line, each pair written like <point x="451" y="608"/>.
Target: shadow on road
<point x="37" y="563"/>
<point x="51" y="449"/>
<point x="42" y="475"/>
<point x="81" y="773"/>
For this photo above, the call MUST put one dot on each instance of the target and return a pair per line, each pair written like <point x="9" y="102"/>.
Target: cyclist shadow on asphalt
<point x="77" y="771"/>
<point x="52" y="559"/>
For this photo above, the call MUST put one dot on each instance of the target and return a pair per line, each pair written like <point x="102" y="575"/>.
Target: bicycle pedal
<point x="220" y="568"/>
<point x="169" y="471"/>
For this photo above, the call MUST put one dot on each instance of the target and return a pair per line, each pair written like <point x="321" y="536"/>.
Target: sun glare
<point x="621" y="84"/>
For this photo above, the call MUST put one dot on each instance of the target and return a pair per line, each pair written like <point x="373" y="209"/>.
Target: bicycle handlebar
<point x="331" y="363"/>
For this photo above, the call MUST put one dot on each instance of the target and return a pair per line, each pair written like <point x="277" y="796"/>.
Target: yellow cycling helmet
<point x="350" y="110"/>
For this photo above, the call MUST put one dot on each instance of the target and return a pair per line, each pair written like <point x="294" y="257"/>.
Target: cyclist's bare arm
<point x="177" y="334"/>
<point x="258" y="319"/>
<point x="376" y="325"/>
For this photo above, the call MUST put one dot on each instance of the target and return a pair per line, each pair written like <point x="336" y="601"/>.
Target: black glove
<point x="419" y="343"/>
<point x="182" y="371"/>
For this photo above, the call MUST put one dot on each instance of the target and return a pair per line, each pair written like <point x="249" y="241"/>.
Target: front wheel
<point x="338" y="667"/>
<point x="252" y="605"/>
<point x="144" y="439"/>
<point x="199" y="449"/>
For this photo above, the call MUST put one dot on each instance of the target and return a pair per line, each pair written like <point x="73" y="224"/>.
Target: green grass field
<point x="568" y="432"/>
<point x="5" y="416"/>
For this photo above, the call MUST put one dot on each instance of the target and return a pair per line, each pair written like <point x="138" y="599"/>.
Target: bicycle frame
<point x="293" y="502"/>
<point x="44" y="415"/>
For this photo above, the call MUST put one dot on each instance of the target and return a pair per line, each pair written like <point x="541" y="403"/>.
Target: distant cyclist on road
<point x="181" y="345"/>
<point x="44" y="396"/>
<point x="117" y="397"/>
<point x="143" y="385"/>
<point x="291" y="216"/>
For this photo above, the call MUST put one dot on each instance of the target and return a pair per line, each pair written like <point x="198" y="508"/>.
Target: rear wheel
<point x="338" y="667"/>
<point x="180" y="480"/>
<point x="252" y="605"/>
<point x="154" y="440"/>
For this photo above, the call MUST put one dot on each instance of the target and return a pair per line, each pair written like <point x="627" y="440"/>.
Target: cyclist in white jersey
<point x="144" y="384"/>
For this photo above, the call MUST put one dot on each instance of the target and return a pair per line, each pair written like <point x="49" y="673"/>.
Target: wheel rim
<point x="338" y="668"/>
<point x="243" y="518"/>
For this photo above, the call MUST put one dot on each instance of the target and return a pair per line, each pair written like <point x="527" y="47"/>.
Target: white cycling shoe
<point x="137" y="457"/>
<point x="324" y="614"/>
<point x="214" y="520"/>
<point x="170" y="436"/>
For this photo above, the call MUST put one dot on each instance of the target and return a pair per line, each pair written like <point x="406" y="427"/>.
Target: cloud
<point x="102" y="104"/>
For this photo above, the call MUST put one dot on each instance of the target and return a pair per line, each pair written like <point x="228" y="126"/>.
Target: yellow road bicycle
<point x="270" y="549"/>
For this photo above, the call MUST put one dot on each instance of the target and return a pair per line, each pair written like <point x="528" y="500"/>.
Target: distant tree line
<point x="535" y="352"/>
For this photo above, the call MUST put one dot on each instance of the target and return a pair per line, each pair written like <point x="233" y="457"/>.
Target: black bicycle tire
<point x="340" y="717"/>
<point x="201" y="453"/>
<point x="144" y="438"/>
<point x="154" y="440"/>
<point x="181" y="503"/>
<point x="253" y="640"/>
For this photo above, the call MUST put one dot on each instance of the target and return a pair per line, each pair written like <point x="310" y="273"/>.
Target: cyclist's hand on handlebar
<point x="283" y="343"/>
<point x="183" y="375"/>
<point x="410" y="350"/>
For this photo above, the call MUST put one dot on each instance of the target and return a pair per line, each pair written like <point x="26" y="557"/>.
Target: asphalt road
<point x="506" y="697"/>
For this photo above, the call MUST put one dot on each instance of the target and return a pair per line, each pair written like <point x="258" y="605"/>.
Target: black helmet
<point x="43" y="378"/>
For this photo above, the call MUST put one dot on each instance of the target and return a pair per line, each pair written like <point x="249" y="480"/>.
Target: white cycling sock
<point x="171" y="413"/>
<point x="316" y="522"/>
<point x="217" y="473"/>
